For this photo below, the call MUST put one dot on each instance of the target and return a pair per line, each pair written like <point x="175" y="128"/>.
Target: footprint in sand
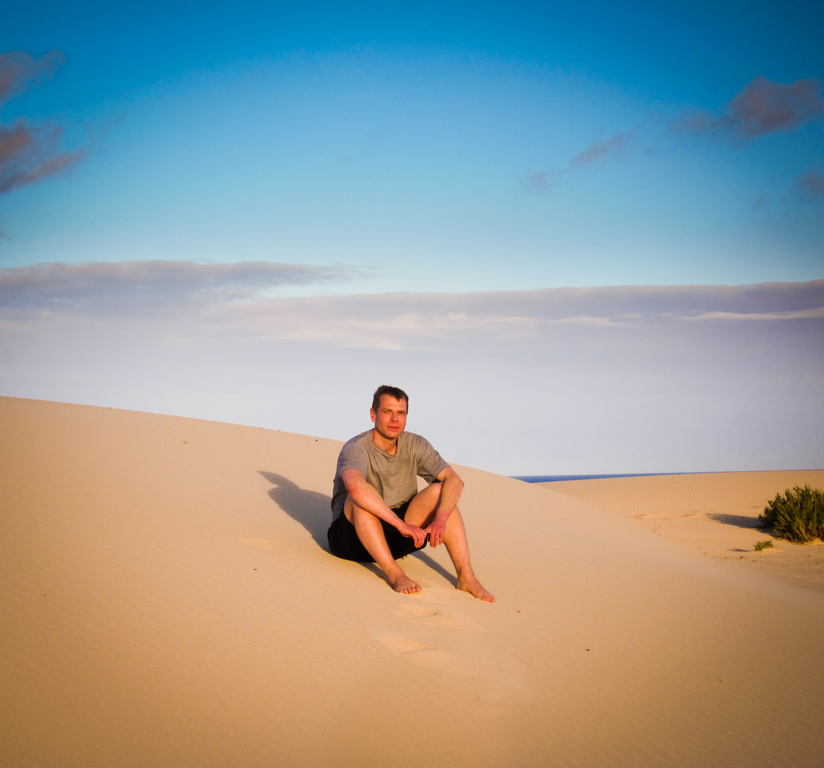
<point x="431" y="658"/>
<point x="422" y="614"/>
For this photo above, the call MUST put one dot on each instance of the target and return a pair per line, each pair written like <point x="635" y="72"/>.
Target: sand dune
<point x="167" y="600"/>
<point x="715" y="514"/>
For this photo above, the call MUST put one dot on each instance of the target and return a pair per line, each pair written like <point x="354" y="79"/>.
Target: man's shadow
<point x="313" y="511"/>
<point x="310" y="508"/>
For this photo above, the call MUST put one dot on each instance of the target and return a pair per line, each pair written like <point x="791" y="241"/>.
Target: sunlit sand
<point x="167" y="600"/>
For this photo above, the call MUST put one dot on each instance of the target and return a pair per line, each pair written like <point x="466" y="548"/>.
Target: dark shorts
<point x="344" y="541"/>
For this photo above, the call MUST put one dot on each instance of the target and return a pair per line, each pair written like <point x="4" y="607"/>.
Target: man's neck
<point x="384" y="443"/>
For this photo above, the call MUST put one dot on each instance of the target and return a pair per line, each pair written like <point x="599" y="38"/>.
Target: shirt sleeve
<point x="429" y="462"/>
<point x="353" y="456"/>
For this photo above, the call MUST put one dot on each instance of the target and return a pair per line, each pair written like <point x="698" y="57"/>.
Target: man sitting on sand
<point x="378" y="514"/>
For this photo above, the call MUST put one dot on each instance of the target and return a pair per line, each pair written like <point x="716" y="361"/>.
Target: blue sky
<point x="235" y="198"/>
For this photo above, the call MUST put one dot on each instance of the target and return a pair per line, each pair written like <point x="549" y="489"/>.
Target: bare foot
<point x="403" y="584"/>
<point x="473" y="586"/>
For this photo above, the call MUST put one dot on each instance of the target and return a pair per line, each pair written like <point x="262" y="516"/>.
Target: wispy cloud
<point x="539" y="181"/>
<point x="760" y="108"/>
<point x="602" y="150"/>
<point x="817" y="312"/>
<point x="19" y="70"/>
<point x="30" y="153"/>
<point x="811" y="185"/>
<point x="115" y="287"/>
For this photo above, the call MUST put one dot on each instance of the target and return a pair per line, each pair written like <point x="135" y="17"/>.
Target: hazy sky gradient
<point x="585" y="239"/>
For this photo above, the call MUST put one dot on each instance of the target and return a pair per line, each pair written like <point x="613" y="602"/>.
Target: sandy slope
<point x="715" y="514"/>
<point x="166" y="600"/>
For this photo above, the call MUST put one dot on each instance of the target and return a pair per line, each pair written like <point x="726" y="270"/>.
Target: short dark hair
<point x="386" y="389"/>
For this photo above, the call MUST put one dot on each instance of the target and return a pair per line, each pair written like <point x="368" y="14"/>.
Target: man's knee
<point x="355" y="514"/>
<point x="423" y="505"/>
<point x="350" y="509"/>
<point x="433" y="490"/>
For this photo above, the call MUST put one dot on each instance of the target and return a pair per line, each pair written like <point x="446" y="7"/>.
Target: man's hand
<point x="435" y="530"/>
<point x="418" y="535"/>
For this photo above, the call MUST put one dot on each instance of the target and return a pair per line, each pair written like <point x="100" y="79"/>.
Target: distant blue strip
<point x="559" y="478"/>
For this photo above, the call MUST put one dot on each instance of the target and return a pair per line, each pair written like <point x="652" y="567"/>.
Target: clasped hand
<point x="434" y="532"/>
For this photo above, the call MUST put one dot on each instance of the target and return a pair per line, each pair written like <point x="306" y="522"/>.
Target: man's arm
<point x="366" y="497"/>
<point x="451" y="489"/>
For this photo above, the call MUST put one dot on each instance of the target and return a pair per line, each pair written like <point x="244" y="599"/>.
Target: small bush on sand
<point x="759" y="545"/>
<point x="797" y="516"/>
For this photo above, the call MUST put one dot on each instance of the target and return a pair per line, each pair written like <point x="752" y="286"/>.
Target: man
<point x="378" y="514"/>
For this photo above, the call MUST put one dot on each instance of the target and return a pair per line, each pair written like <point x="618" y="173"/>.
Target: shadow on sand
<point x="740" y="521"/>
<point x="310" y="508"/>
<point x="313" y="511"/>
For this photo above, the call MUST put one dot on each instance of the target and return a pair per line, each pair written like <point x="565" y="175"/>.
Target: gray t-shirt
<point x="395" y="478"/>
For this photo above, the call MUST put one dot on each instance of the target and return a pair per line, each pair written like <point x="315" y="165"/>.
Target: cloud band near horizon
<point x="239" y="297"/>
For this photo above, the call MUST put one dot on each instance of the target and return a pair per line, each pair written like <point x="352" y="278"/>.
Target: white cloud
<point x="801" y="315"/>
<point x="602" y="322"/>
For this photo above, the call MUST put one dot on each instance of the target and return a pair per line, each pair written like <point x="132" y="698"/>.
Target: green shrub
<point x="797" y="516"/>
<point x="759" y="545"/>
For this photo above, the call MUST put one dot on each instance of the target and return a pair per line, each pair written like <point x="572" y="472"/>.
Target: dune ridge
<point x="167" y="600"/>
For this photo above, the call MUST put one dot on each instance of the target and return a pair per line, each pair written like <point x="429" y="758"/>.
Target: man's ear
<point x="373" y="415"/>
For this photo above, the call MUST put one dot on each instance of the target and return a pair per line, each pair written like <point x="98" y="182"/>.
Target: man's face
<point x="390" y="418"/>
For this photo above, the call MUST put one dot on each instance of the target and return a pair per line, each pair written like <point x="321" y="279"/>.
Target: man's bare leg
<point x="456" y="545"/>
<point x="454" y="539"/>
<point x="370" y="532"/>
